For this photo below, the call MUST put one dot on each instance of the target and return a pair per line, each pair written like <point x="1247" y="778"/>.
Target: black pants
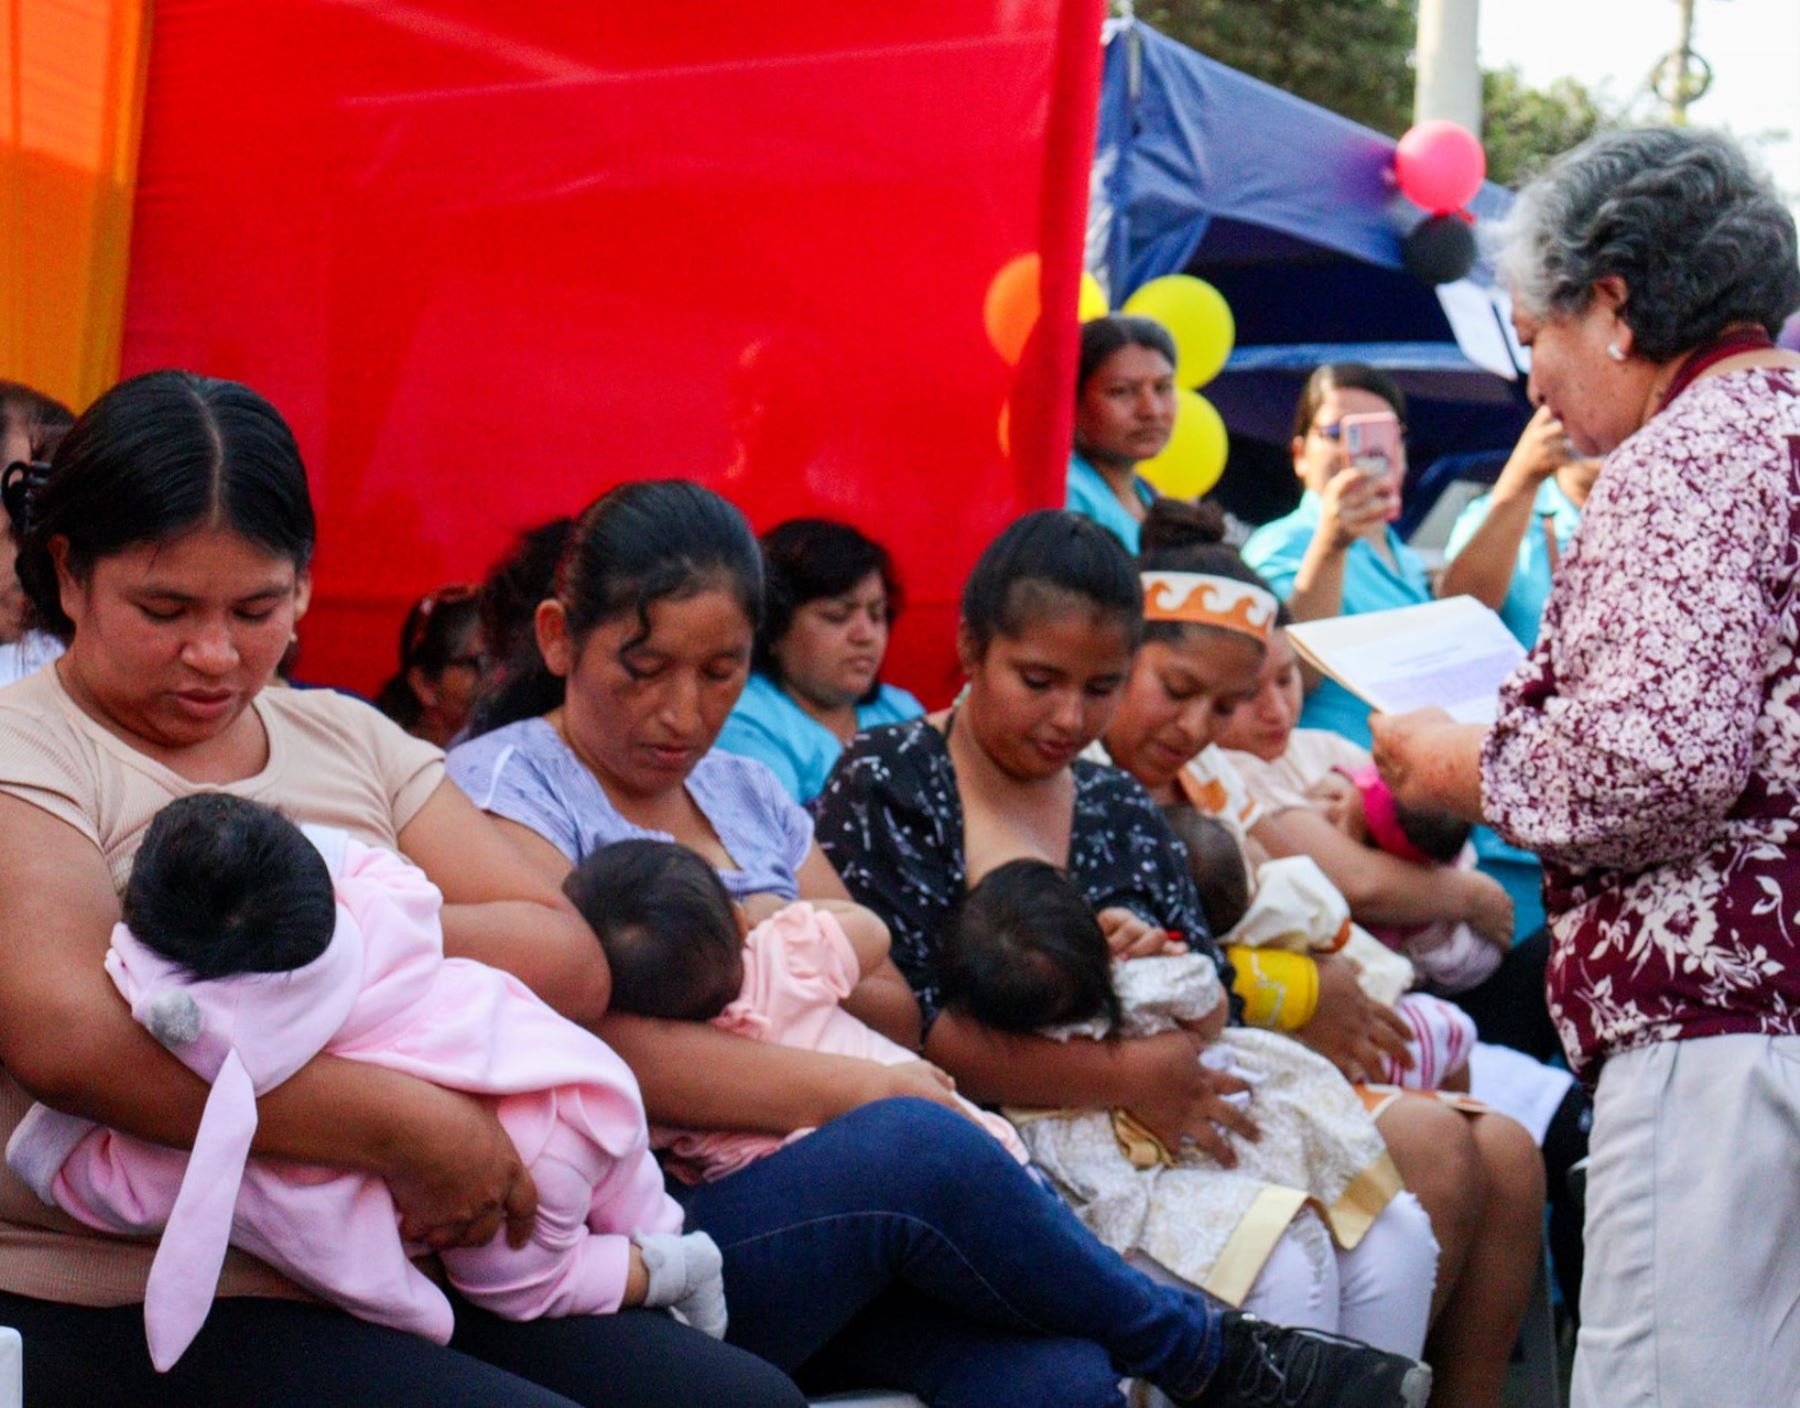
<point x="1509" y="1008"/>
<point x="256" y="1353"/>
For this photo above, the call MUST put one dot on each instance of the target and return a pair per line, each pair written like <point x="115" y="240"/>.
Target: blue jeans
<point x="901" y="1247"/>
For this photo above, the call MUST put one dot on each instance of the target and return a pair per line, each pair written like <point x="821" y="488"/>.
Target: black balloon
<point x="1440" y="250"/>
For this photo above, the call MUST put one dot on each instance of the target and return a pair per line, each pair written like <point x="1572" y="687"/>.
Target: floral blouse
<point x="891" y="821"/>
<point x="1649" y="746"/>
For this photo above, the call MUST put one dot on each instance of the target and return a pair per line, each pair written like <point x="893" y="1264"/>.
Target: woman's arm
<point x="695" y="1076"/>
<point x="1354" y="502"/>
<point x="1483" y="567"/>
<point x="1159" y="1079"/>
<point x="503" y="911"/>
<point x="1379" y="888"/>
<point x="452" y="1169"/>
<point x="881" y="997"/>
<point x="1430" y="760"/>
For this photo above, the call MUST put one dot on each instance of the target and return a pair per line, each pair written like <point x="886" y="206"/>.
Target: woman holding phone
<point x="1337" y="554"/>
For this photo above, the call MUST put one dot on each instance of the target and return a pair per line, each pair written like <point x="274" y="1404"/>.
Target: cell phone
<point x="1372" y="443"/>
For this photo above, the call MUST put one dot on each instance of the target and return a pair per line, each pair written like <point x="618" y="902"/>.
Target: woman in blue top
<point x="830" y="598"/>
<point x="1506" y="544"/>
<point x="1124" y="414"/>
<point x="1337" y="553"/>
<point x="898" y="1244"/>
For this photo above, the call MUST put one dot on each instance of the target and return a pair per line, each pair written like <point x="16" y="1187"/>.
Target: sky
<point x="1612" y="45"/>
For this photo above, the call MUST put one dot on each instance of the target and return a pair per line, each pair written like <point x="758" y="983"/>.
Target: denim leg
<point x="908" y="1192"/>
<point x="909" y="1342"/>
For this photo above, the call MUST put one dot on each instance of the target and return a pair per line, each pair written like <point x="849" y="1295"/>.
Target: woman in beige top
<point x="168" y="544"/>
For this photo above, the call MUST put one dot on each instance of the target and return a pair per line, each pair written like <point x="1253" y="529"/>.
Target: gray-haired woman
<point x="1649" y="750"/>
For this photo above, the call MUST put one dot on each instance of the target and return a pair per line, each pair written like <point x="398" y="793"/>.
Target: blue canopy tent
<point x="1291" y="212"/>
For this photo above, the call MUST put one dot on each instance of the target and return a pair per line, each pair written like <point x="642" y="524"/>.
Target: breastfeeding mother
<point x="897" y="1243"/>
<point x="1479" y="1179"/>
<point x="917" y="813"/>
<point x="168" y="546"/>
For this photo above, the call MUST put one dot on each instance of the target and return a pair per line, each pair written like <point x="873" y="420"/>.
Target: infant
<point x="1450" y="956"/>
<point x="681" y="950"/>
<point x="248" y="947"/>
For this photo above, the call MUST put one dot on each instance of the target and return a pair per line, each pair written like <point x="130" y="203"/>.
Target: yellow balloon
<point x="1191" y="463"/>
<point x="1092" y="302"/>
<point x="1197" y="317"/>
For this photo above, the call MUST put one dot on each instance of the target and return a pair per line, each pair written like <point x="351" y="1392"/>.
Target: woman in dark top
<point x="918" y="812"/>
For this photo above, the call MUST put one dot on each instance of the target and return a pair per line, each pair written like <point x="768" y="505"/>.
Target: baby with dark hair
<point x="1451" y="957"/>
<point x="251" y="945"/>
<point x="1025" y="954"/>
<point x="680" y="949"/>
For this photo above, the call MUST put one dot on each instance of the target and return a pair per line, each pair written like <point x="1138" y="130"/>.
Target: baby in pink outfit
<point x="681" y="950"/>
<point x="249" y="948"/>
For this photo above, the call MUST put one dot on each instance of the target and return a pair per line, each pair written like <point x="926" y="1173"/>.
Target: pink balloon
<point x="1440" y="165"/>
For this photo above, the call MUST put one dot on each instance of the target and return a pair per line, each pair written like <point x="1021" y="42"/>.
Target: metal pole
<point x="1449" y="75"/>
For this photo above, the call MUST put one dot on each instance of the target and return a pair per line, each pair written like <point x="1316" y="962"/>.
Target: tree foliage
<point x="1523" y="127"/>
<point x="1352" y="56"/>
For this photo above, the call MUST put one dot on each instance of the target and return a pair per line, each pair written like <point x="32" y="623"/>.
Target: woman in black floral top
<point x="917" y="812"/>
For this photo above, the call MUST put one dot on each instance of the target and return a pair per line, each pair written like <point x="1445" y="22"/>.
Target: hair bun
<point x="1177" y="523"/>
<point x="19" y="487"/>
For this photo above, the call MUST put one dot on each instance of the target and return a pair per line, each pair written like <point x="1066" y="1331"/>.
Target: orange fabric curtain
<point x="71" y="106"/>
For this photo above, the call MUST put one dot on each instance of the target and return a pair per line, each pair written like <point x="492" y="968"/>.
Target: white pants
<point x="1379" y="1293"/>
<point x="1691" y="1293"/>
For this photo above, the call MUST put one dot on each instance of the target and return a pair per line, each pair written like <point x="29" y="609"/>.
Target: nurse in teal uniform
<point x="830" y="598"/>
<point x="1124" y="413"/>
<point x="1337" y="554"/>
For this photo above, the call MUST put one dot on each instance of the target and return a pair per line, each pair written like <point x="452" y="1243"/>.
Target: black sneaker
<point x="1265" y="1366"/>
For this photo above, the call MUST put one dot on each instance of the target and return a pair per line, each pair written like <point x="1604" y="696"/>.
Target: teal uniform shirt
<point x="1530" y="587"/>
<point x="769" y="726"/>
<point x="1276" y="549"/>
<point x="1092" y="497"/>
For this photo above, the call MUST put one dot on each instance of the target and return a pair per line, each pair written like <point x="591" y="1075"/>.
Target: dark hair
<point x="153" y="458"/>
<point x="223" y="885"/>
<point x="1216" y="863"/>
<point x="1178" y="536"/>
<point x="514" y="586"/>
<point x="44" y="419"/>
<point x="431" y="639"/>
<point x="1438" y="834"/>
<point x="1698" y="235"/>
<point x="805" y="559"/>
<point x="638" y="544"/>
<point x="1344" y="376"/>
<point x="1101" y="337"/>
<point x="1044" y="553"/>
<point x="1023" y="952"/>
<point x="666" y="923"/>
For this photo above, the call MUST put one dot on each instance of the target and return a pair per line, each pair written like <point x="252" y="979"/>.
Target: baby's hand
<point x="1131" y="937"/>
<point x="1210" y="1027"/>
<point x="1338" y="798"/>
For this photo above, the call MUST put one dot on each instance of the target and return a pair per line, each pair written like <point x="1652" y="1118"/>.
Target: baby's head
<point x="1023" y="952"/>
<point x="1361" y="805"/>
<point x="672" y="936"/>
<point x="223" y="886"/>
<point x="1216" y="862"/>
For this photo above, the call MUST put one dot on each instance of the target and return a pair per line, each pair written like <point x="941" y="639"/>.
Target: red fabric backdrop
<point x="491" y="258"/>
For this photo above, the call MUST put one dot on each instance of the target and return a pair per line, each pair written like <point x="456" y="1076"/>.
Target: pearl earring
<point x="1614" y="351"/>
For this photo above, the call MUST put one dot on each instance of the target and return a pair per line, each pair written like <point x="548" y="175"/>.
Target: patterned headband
<point x="1197" y="599"/>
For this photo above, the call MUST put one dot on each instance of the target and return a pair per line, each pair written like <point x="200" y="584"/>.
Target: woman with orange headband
<point x="1209" y="624"/>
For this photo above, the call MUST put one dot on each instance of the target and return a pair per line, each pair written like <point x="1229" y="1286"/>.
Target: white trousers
<point x="1691" y="1293"/>
<point x="1379" y="1293"/>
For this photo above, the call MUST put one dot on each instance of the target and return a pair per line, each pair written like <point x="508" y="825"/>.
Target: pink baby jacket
<point x="382" y="992"/>
<point x="798" y="966"/>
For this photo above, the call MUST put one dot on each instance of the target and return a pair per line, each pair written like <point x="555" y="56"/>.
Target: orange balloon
<point x="1013" y="305"/>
